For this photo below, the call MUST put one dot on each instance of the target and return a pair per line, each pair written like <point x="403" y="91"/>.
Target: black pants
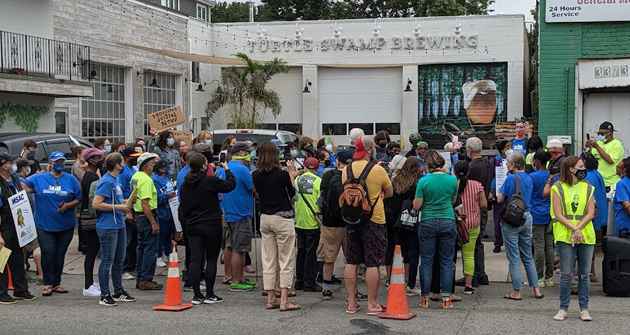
<point x="92" y="245"/>
<point x="204" y="241"/>
<point x="480" y="262"/>
<point x="15" y="262"/>
<point x="410" y="248"/>
<point x="306" y="264"/>
<point x="131" y="255"/>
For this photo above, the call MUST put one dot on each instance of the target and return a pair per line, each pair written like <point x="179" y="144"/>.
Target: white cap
<point x="554" y="144"/>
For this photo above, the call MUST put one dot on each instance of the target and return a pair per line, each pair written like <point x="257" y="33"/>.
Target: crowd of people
<point x="363" y="201"/>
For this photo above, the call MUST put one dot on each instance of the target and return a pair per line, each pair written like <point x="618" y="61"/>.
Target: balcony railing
<point x="41" y="57"/>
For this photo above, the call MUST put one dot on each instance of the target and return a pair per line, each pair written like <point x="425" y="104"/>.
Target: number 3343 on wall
<point x="602" y="72"/>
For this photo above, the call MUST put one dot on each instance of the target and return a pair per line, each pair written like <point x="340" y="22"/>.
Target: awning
<point x="189" y="56"/>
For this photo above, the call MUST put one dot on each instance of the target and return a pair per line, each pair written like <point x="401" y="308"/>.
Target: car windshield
<point x="218" y="139"/>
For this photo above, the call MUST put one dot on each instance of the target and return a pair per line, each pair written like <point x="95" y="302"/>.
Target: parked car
<point x="255" y="135"/>
<point x="13" y="143"/>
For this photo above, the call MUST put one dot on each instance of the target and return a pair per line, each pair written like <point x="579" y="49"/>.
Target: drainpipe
<point x="251" y="11"/>
<point x="190" y="100"/>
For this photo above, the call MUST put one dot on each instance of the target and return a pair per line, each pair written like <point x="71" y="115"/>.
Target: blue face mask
<point x="30" y="155"/>
<point x="601" y="138"/>
<point x="209" y="142"/>
<point x="253" y="154"/>
<point x="14" y="168"/>
<point x="108" y="149"/>
<point x="170" y="142"/>
<point x="168" y="170"/>
<point x="58" y="167"/>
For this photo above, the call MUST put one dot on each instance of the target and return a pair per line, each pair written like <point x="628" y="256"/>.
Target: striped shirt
<point x="470" y="203"/>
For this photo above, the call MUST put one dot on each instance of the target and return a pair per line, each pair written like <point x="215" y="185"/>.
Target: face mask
<point x="133" y="162"/>
<point x="245" y="158"/>
<point x="14" y="168"/>
<point x="28" y="170"/>
<point x="30" y="155"/>
<point x="508" y="152"/>
<point x="294" y="153"/>
<point x="520" y="131"/>
<point x="253" y="154"/>
<point x="601" y="138"/>
<point x="100" y="163"/>
<point x="108" y="149"/>
<point x="580" y="174"/>
<point x="382" y="145"/>
<point x="327" y="162"/>
<point x="170" y="142"/>
<point x="208" y="142"/>
<point x="58" y="167"/>
<point x="329" y="147"/>
<point x="208" y="156"/>
<point x="168" y="170"/>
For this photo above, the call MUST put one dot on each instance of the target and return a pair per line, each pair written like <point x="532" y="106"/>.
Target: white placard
<point x="447" y="156"/>
<point x="23" y="218"/>
<point x="173" y="203"/>
<point x="500" y="174"/>
<point x="587" y="11"/>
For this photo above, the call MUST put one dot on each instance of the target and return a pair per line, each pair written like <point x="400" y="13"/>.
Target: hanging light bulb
<point x="298" y="31"/>
<point x="458" y="28"/>
<point x="377" y="29"/>
<point x="261" y="33"/>
<point x="416" y="29"/>
<point x="337" y="31"/>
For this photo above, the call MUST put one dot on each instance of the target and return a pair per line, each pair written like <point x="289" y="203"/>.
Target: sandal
<point x="227" y="281"/>
<point x="539" y="296"/>
<point x="47" y="292"/>
<point x="510" y="297"/>
<point x="289" y="306"/>
<point x="357" y="307"/>
<point x="373" y="313"/>
<point x="59" y="289"/>
<point x="273" y="305"/>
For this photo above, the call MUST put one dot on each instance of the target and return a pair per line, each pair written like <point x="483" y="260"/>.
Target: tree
<point x="230" y="12"/>
<point x="243" y="88"/>
<point x="291" y="10"/>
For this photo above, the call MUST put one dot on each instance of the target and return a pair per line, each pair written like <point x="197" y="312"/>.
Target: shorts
<point x="31" y="246"/>
<point x="240" y="235"/>
<point x="225" y="241"/>
<point x="330" y="241"/>
<point x="367" y="244"/>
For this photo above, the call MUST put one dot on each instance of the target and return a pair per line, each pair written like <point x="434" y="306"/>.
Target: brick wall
<point x="561" y="45"/>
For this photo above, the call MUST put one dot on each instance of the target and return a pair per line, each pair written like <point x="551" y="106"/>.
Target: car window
<point x="63" y="146"/>
<point x="218" y="139"/>
<point x="42" y="155"/>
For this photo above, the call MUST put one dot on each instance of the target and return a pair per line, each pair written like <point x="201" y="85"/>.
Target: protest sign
<point x="500" y="173"/>
<point x="166" y="118"/>
<point x="174" y="204"/>
<point x="182" y="135"/>
<point x="23" y="218"/>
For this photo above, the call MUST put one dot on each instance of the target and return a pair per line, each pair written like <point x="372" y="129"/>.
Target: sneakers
<point x="424" y="302"/>
<point x="159" y="262"/>
<point x="240" y="287"/>
<point x="123" y="296"/>
<point x="497" y="249"/>
<point x="212" y="299"/>
<point x="483" y="280"/>
<point x="196" y="300"/>
<point x="447" y="303"/>
<point x="299" y="285"/>
<point x="469" y="290"/>
<point x="584" y="316"/>
<point x="249" y="269"/>
<point x="6" y="299"/>
<point x="148" y="285"/>
<point x="327" y="295"/>
<point x="127" y="276"/>
<point x="562" y="314"/>
<point x="360" y="296"/>
<point x="249" y="282"/>
<point x="312" y="288"/>
<point x="460" y="282"/>
<point x="107" y="300"/>
<point x="412" y="292"/>
<point x="26" y="295"/>
<point x="93" y="291"/>
<point x="549" y="282"/>
<point x="334" y="280"/>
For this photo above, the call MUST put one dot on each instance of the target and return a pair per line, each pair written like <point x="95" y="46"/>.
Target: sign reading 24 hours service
<point x="587" y="10"/>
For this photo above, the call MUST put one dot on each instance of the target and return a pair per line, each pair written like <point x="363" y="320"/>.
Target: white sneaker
<point x="562" y="314"/>
<point x="159" y="262"/>
<point x="412" y="292"/>
<point x="127" y="276"/>
<point x="584" y="316"/>
<point x="93" y="291"/>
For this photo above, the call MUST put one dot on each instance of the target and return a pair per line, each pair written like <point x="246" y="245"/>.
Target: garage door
<point x="613" y="107"/>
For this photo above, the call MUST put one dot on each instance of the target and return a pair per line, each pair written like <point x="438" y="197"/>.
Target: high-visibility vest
<point x="572" y="212"/>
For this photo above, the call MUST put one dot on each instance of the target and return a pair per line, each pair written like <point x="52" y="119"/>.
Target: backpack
<point x="88" y="215"/>
<point x="332" y="208"/>
<point x="354" y="200"/>
<point x="513" y="212"/>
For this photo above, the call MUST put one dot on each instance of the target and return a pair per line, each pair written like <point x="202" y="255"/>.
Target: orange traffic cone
<point x="397" y="306"/>
<point x="10" y="278"/>
<point x="173" y="294"/>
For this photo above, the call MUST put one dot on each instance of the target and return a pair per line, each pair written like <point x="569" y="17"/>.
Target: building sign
<point x="604" y="73"/>
<point x="166" y="118"/>
<point x="587" y="10"/>
<point x="366" y="44"/>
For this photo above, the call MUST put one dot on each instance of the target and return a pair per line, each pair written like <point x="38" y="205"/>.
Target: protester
<point x="139" y="142"/>
<point x="323" y="161"/>
<point x="404" y="185"/>
<point x="103" y="144"/>
<point x="393" y="150"/>
<point x="448" y="147"/>
<point x="573" y="210"/>
<point x="600" y="220"/>
<point x="165" y="191"/>
<point x="119" y="146"/>
<point x="414" y="139"/>
<point x="306" y="147"/>
<point x="355" y="134"/>
<point x="87" y="219"/>
<point x="503" y="147"/>
<point x="56" y="195"/>
<point x="397" y="164"/>
<point x="608" y="151"/>
<point x="9" y="186"/>
<point x="382" y="139"/>
<point x="110" y="226"/>
<point x="621" y="201"/>
<point x="23" y="170"/>
<point x="238" y="207"/>
<point x="474" y="200"/>
<point x="183" y="150"/>
<point x="325" y="143"/>
<point x="147" y="221"/>
<point x="556" y="149"/>
<point x="251" y="165"/>
<point x="518" y="240"/>
<point x="203" y="219"/>
<point x="79" y="166"/>
<point x="204" y="137"/>
<point x="165" y="149"/>
<point x="367" y="242"/>
<point x="435" y="196"/>
<point x="421" y="149"/>
<point x="534" y="145"/>
<point x="29" y="151"/>
<point x="519" y="142"/>
<point x="130" y="160"/>
<point x="541" y="239"/>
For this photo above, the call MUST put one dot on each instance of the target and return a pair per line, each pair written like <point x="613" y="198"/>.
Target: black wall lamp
<point x="200" y="87"/>
<point x="93" y="75"/>
<point x="409" y="82"/>
<point x="306" y="85"/>
<point x="218" y="84"/>
<point x="154" y="81"/>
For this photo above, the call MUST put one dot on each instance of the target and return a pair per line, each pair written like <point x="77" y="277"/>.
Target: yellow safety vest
<point x="530" y="156"/>
<point x="574" y="210"/>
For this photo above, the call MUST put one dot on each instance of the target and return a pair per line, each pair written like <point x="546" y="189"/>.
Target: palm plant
<point x="243" y="89"/>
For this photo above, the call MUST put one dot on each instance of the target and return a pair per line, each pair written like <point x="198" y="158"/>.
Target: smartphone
<point x="523" y="119"/>
<point x="222" y="157"/>
<point x="588" y="136"/>
<point x="61" y="204"/>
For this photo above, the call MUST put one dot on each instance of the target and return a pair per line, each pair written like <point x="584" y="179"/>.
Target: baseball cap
<point x="238" y="146"/>
<point x="22" y="162"/>
<point x="554" y="144"/>
<point x="5" y="157"/>
<point x="311" y="163"/>
<point x="130" y="152"/>
<point x="362" y="143"/>
<point x="278" y="143"/>
<point x="57" y="155"/>
<point x="89" y="152"/>
<point x="345" y="156"/>
<point x="250" y="143"/>
<point x="145" y="158"/>
<point x="161" y="164"/>
<point x="607" y="126"/>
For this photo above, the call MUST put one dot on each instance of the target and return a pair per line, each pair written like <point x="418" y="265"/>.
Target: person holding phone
<point x="608" y="151"/>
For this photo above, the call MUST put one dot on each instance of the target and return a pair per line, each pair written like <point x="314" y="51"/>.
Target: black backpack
<point x="331" y="204"/>
<point x="513" y="212"/>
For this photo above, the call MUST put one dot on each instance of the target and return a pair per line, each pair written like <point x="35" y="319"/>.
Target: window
<point x="335" y="129"/>
<point x="103" y="115"/>
<point x="61" y="125"/>
<point x="202" y="12"/>
<point x="205" y="123"/>
<point x="172" y="4"/>
<point x="390" y="128"/>
<point x="157" y="98"/>
<point x="195" y="72"/>
<point x="295" y="128"/>
<point x="368" y="128"/>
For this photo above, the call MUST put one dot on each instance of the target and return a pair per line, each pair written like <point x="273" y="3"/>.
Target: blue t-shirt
<point x="164" y="186"/>
<point x="622" y="220"/>
<point x="519" y="146"/>
<point x="540" y="204"/>
<point x="525" y="183"/>
<point x="124" y="179"/>
<point x="238" y="204"/>
<point x="180" y="180"/>
<point x="109" y="188"/>
<point x="601" y="202"/>
<point x="49" y="193"/>
<point x="320" y="171"/>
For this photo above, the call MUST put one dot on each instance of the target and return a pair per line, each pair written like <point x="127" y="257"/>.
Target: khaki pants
<point x="278" y="240"/>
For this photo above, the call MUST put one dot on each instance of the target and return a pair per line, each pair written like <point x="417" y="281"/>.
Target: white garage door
<point x="289" y="86"/>
<point x="613" y="107"/>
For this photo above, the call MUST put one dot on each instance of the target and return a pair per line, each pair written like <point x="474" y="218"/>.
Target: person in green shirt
<point x="146" y="219"/>
<point x="608" y="151"/>
<point x="306" y="226"/>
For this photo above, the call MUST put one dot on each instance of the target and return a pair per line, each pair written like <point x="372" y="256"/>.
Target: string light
<point x="337" y="31"/>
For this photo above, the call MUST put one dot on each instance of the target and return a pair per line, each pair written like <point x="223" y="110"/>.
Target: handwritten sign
<point x="166" y="118"/>
<point x="173" y="203"/>
<point x="182" y="135"/>
<point x="23" y="218"/>
<point x="500" y="174"/>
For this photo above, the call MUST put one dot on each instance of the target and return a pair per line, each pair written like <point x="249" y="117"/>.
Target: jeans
<point x="437" y="235"/>
<point x="91" y="248"/>
<point x="205" y="242"/>
<point x="167" y="228"/>
<point x="132" y="245"/>
<point x="54" y="246"/>
<point x="306" y="263"/>
<point x="147" y="249"/>
<point x="480" y="256"/>
<point x="113" y="249"/>
<point x="518" y="247"/>
<point x="567" y="254"/>
<point x="543" y="251"/>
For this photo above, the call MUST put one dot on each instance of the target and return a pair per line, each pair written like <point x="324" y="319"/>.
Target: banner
<point x="587" y="11"/>
<point x="166" y="118"/>
<point x="174" y="204"/>
<point x="23" y="218"/>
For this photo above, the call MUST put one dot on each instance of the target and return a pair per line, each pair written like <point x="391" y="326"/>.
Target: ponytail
<point x="461" y="170"/>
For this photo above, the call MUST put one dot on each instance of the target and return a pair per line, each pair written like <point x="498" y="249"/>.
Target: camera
<point x="554" y="170"/>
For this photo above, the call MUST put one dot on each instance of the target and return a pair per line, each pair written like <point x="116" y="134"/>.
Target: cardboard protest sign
<point x="182" y="135"/>
<point x="166" y="118"/>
